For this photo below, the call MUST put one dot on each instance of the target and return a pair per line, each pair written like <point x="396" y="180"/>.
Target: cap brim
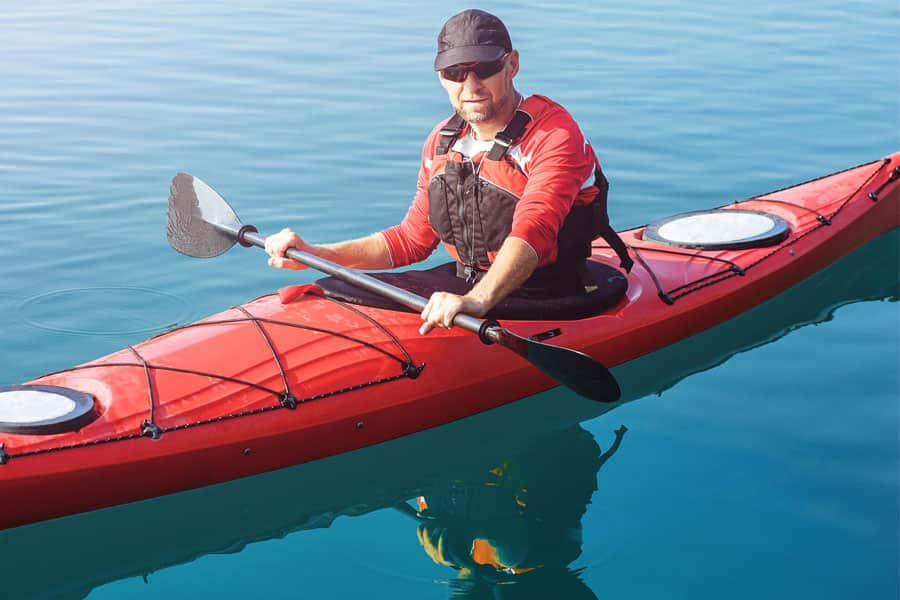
<point x="467" y="54"/>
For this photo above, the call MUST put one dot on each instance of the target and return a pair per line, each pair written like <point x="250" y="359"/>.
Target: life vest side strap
<point x="507" y="137"/>
<point x="449" y="134"/>
<point x="615" y="242"/>
<point x="601" y="222"/>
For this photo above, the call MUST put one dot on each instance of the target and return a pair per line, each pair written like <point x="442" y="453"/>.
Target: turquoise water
<point x="760" y="458"/>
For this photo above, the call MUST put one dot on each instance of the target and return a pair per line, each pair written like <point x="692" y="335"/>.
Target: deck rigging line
<point x="286" y="400"/>
<point x="672" y="295"/>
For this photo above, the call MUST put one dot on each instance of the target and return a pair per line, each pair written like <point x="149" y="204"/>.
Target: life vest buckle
<point x="503" y="140"/>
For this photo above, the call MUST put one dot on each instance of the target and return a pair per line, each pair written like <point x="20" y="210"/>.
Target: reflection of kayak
<point x="207" y="403"/>
<point x="182" y="527"/>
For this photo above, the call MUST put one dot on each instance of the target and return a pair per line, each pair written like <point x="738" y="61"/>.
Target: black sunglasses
<point x="482" y="70"/>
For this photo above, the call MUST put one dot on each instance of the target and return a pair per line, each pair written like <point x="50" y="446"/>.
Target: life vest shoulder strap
<point x="512" y="132"/>
<point x="449" y="133"/>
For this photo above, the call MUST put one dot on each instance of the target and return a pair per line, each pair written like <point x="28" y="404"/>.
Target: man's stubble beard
<point x="477" y="116"/>
<point x="485" y="114"/>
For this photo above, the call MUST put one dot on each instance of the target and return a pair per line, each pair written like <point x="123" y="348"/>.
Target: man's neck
<point x="486" y="130"/>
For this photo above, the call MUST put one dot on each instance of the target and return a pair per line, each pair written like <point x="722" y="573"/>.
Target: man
<point x="509" y="184"/>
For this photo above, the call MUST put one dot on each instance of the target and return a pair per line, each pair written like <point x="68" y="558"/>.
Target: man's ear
<point x="513" y="62"/>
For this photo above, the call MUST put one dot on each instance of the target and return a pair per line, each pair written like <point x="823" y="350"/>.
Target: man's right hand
<point x="277" y="244"/>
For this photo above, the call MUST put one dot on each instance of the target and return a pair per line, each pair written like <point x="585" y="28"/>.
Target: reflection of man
<point x="520" y="522"/>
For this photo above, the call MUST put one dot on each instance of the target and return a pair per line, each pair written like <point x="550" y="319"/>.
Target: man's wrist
<point x="480" y="300"/>
<point x="325" y="251"/>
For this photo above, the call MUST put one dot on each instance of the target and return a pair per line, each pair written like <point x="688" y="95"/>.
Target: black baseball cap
<point x="471" y="36"/>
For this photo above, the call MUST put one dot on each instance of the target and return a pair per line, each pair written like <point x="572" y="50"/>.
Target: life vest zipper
<point x="468" y="241"/>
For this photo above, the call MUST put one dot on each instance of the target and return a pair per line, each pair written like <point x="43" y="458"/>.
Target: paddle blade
<point x="199" y="219"/>
<point x="575" y="370"/>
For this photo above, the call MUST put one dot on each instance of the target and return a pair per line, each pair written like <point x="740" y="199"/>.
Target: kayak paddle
<point x="201" y="224"/>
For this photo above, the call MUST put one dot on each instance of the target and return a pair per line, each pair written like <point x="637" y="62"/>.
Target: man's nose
<point x="472" y="81"/>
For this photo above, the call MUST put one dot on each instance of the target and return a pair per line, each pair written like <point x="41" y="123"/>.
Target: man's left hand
<point x="443" y="307"/>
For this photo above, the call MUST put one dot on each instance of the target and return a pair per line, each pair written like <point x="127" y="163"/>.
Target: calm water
<point x="760" y="458"/>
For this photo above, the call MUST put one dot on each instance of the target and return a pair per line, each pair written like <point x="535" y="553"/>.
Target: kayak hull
<point x="217" y="390"/>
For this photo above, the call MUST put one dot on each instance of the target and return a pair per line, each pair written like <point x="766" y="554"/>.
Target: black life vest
<point x="471" y="207"/>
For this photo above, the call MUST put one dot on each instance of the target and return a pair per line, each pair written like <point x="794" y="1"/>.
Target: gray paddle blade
<point x="199" y="221"/>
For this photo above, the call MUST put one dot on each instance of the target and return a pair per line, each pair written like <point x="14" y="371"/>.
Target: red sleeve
<point x="559" y="163"/>
<point x="413" y="239"/>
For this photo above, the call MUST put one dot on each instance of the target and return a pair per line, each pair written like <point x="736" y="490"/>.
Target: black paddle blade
<point x="575" y="370"/>
<point x="194" y="211"/>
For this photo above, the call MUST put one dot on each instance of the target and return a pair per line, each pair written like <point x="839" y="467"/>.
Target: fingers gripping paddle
<point x="201" y="224"/>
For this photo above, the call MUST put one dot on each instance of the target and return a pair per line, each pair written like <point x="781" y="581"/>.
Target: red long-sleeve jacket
<point x="547" y="170"/>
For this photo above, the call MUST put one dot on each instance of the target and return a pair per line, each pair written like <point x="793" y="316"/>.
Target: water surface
<point x="760" y="459"/>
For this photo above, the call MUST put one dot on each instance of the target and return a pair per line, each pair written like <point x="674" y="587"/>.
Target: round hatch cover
<point x="44" y="409"/>
<point x="719" y="230"/>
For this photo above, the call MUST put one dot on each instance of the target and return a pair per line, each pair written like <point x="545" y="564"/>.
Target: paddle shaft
<point x="364" y="281"/>
<point x="201" y="224"/>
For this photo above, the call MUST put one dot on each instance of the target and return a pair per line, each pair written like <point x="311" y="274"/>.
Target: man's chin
<point x="475" y="116"/>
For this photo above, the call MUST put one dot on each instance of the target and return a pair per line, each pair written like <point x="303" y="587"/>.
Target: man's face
<point x="480" y="100"/>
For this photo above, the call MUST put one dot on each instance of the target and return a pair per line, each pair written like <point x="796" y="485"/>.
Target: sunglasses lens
<point x="485" y="70"/>
<point x="458" y="73"/>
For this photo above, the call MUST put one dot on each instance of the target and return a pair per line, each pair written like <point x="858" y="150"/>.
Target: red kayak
<point x="290" y="378"/>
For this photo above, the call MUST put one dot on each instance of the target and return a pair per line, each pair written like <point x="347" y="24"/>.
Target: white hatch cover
<point x="44" y="409"/>
<point x="719" y="230"/>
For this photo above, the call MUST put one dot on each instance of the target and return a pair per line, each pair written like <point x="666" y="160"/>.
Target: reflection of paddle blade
<point x="194" y="208"/>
